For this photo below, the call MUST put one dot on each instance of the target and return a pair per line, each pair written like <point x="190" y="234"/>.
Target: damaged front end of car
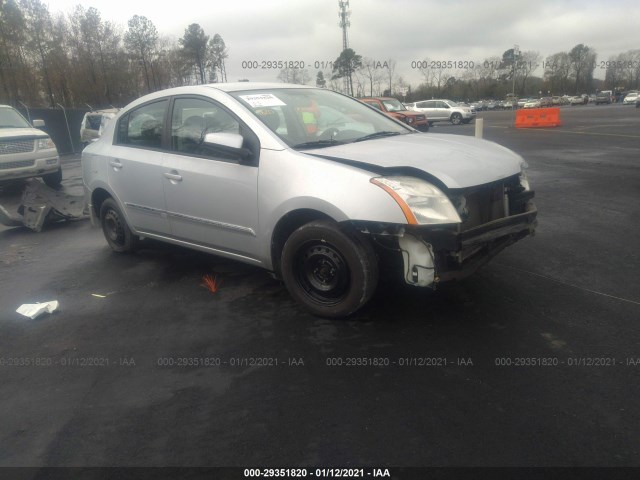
<point x="450" y="233"/>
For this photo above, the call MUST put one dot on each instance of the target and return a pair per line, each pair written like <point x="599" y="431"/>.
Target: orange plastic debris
<point x="538" y="117"/>
<point x="211" y="283"/>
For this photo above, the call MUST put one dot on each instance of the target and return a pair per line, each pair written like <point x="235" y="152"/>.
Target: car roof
<point x="238" y="86"/>
<point x="206" y="89"/>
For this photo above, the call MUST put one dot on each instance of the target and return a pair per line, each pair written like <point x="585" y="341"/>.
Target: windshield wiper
<point x="377" y="135"/>
<point x="318" y="144"/>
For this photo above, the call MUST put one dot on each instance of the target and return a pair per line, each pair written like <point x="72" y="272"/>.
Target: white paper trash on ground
<point x="33" y="310"/>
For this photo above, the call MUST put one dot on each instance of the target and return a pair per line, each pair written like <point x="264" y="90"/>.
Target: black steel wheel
<point x="115" y="228"/>
<point x="331" y="271"/>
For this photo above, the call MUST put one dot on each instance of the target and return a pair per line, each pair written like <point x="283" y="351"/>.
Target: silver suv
<point x="26" y="151"/>
<point x="312" y="185"/>
<point x="444" y="111"/>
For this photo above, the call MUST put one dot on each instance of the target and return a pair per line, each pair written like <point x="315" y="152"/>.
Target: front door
<point x="211" y="197"/>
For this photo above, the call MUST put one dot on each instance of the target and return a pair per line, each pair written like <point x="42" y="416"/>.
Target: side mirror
<point x="221" y="139"/>
<point x="230" y="143"/>
<point x="38" y="123"/>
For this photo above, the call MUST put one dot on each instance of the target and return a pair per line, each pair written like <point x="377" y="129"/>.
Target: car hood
<point x="457" y="161"/>
<point x="21" y="132"/>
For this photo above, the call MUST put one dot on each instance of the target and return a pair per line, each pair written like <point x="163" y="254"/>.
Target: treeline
<point x="570" y="72"/>
<point x="81" y="60"/>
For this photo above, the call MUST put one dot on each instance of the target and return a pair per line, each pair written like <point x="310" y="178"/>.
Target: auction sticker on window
<point x="262" y="100"/>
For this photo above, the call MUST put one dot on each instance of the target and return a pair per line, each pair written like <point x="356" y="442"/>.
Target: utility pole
<point x="344" y="24"/>
<point x="516" y="54"/>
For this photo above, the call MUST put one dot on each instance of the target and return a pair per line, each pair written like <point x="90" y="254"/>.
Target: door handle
<point x="173" y="176"/>
<point x="115" y="164"/>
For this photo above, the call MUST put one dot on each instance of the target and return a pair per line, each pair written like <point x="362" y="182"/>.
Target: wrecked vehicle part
<point x="492" y="217"/>
<point x="417" y="255"/>
<point x="9" y="220"/>
<point x="43" y="205"/>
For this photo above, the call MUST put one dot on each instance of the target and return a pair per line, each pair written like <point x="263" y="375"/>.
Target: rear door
<point x="135" y="167"/>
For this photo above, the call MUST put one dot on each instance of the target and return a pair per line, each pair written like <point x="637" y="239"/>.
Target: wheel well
<point x="285" y="227"/>
<point x="97" y="197"/>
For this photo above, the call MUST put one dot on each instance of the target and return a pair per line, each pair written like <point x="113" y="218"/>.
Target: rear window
<point x="143" y="126"/>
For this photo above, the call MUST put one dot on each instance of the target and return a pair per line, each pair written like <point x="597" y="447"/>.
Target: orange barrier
<point x="538" y="117"/>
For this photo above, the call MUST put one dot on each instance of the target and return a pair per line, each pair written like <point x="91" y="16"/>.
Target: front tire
<point x="331" y="271"/>
<point x="456" y="119"/>
<point x="54" y="179"/>
<point x="115" y="228"/>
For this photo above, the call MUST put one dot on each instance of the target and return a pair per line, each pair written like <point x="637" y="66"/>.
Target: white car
<point x="444" y="111"/>
<point x="533" y="103"/>
<point x="93" y="124"/>
<point x="313" y="185"/>
<point x="25" y="151"/>
<point x="631" y="98"/>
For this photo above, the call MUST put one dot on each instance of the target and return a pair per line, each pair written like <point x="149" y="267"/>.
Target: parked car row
<point x="395" y="109"/>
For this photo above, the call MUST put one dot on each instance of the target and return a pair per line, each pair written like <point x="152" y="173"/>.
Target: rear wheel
<point x="115" y="228"/>
<point x="456" y="118"/>
<point x="330" y="271"/>
<point x="54" y="179"/>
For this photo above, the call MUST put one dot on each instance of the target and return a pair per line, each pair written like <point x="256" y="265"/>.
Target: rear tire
<point x="54" y="179"/>
<point x="115" y="228"/>
<point x="332" y="272"/>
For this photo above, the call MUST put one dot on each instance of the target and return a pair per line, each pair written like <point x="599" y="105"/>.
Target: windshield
<point x="10" y="118"/>
<point x="452" y="104"/>
<point x="313" y="118"/>
<point x="394" y="105"/>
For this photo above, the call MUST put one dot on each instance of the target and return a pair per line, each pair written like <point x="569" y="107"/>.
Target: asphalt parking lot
<point x="534" y="361"/>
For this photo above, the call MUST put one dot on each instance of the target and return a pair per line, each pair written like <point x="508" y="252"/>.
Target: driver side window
<point x="192" y="119"/>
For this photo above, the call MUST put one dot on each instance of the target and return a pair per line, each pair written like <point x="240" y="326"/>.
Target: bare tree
<point x="141" y="39"/>
<point x="12" y="65"/>
<point x="582" y="61"/>
<point x="371" y="73"/>
<point x="39" y="42"/>
<point x="219" y="53"/>
<point x="557" y="69"/>
<point x="390" y="66"/>
<point x="195" y="45"/>
<point x="299" y="76"/>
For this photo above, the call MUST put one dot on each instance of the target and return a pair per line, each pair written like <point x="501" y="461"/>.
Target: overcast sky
<point x="404" y="30"/>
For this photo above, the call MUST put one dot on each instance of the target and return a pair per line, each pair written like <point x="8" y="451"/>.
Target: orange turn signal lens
<point x="411" y="218"/>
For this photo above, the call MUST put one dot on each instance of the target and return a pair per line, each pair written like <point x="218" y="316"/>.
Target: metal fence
<point x="63" y="126"/>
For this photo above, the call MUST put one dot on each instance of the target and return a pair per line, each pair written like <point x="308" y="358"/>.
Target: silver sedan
<point x="318" y="188"/>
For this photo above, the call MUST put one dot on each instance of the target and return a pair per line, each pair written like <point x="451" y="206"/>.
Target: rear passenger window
<point x="143" y="126"/>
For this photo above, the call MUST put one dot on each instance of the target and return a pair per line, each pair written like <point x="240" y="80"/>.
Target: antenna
<point x="344" y="24"/>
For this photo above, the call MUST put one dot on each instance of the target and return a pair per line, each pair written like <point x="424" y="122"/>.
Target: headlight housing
<point x="421" y="202"/>
<point x="45" y="143"/>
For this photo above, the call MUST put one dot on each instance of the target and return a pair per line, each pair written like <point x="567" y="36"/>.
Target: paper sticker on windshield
<point x="262" y="100"/>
